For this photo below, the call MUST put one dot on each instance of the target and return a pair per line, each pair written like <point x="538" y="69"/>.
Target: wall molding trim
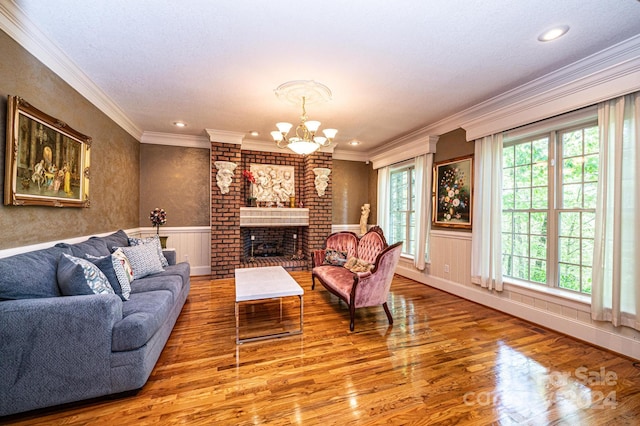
<point x="626" y="346"/>
<point x="225" y="136"/>
<point x="410" y="146"/>
<point x="188" y="141"/>
<point x="18" y="26"/>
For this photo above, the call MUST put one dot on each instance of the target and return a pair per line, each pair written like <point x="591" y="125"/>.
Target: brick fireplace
<point x="231" y="243"/>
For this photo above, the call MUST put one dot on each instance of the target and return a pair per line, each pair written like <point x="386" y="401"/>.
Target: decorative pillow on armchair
<point x="358" y="265"/>
<point x="334" y="257"/>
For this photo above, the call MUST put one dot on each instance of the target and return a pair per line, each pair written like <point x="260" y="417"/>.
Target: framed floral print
<point x="453" y="192"/>
<point x="47" y="162"/>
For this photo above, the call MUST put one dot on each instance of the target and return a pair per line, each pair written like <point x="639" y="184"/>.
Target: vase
<point x="163" y="242"/>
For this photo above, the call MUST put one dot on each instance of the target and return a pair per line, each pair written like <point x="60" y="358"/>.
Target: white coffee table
<point x="272" y="282"/>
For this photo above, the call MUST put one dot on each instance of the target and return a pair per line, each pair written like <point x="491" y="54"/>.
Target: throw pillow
<point x="105" y="264"/>
<point x="144" y="260"/>
<point x="155" y="241"/>
<point x="123" y="270"/>
<point x="334" y="257"/>
<point x="79" y="276"/>
<point x="358" y="265"/>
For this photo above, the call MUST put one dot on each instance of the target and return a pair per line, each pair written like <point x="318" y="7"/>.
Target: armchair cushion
<point x="358" y="265"/>
<point x="334" y="257"/>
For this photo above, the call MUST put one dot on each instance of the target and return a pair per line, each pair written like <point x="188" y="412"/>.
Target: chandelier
<point x="305" y="140"/>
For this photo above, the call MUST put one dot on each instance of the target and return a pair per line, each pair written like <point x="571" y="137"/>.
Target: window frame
<point x="551" y="129"/>
<point x="404" y="167"/>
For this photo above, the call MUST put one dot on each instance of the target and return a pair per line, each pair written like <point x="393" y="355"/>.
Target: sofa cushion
<point x="80" y="277"/>
<point x="144" y="260"/>
<point x="172" y="283"/>
<point x="31" y="275"/>
<point x="94" y="247"/>
<point x="143" y="315"/>
<point x="117" y="239"/>
<point x="105" y="264"/>
<point x="155" y="242"/>
<point x="335" y="257"/>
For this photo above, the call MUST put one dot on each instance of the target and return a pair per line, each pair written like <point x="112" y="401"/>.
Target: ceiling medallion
<point x="302" y="93"/>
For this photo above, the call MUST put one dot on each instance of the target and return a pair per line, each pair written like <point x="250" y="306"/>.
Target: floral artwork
<point x="453" y="187"/>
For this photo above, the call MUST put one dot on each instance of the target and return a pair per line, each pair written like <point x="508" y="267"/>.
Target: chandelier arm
<point x="284" y="142"/>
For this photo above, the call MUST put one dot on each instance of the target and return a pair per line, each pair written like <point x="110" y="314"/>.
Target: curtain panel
<point x="615" y="295"/>
<point x="486" y="234"/>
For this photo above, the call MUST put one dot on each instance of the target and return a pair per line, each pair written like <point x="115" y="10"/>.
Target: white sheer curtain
<point x="383" y="198"/>
<point x="486" y="238"/>
<point x="423" y="167"/>
<point x="615" y="295"/>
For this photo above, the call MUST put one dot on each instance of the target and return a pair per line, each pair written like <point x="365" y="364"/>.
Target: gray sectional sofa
<point x="57" y="348"/>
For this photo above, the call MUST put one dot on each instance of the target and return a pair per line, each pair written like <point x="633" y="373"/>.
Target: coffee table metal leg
<point x="237" y="323"/>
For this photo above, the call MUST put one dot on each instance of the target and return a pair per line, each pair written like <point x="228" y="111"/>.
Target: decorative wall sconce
<point x="224" y="177"/>
<point x="322" y="179"/>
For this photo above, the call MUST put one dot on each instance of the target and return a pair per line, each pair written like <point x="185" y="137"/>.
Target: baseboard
<point x="589" y="333"/>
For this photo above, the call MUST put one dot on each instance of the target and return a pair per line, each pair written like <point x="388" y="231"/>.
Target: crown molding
<point x="189" y="141"/>
<point x="408" y="147"/>
<point x="339" y="154"/>
<point x="225" y="136"/>
<point x="612" y="72"/>
<point x="18" y="26"/>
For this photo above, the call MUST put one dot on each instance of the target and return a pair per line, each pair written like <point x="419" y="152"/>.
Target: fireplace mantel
<point x="273" y="217"/>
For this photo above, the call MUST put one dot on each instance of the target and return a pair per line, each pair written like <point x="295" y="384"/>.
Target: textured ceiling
<point x="393" y="66"/>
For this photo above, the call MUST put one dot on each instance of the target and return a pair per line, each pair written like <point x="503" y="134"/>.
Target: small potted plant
<point x="251" y="200"/>
<point x="158" y="218"/>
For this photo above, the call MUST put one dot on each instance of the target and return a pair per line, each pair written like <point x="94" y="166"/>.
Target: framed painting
<point x="453" y="192"/>
<point x="47" y="162"/>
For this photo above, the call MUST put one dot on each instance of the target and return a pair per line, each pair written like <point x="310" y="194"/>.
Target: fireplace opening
<point x="274" y="246"/>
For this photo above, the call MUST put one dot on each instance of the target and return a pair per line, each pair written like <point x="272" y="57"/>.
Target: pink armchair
<point x="359" y="289"/>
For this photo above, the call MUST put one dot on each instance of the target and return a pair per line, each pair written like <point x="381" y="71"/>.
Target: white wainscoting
<point x="192" y="244"/>
<point x="535" y="304"/>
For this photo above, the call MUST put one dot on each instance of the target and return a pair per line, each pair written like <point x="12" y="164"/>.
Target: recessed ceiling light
<point x="179" y="124"/>
<point x="354" y="143"/>
<point x="254" y="133"/>
<point x="553" y="33"/>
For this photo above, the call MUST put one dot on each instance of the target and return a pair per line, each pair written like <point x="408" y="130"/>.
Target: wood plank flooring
<point x="444" y="361"/>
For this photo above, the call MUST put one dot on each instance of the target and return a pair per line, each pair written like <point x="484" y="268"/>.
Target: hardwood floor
<point x="444" y="361"/>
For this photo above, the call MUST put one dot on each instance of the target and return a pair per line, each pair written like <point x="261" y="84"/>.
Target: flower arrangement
<point x="251" y="200"/>
<point x="454" y="197"/>
<point x="158" y="217"/>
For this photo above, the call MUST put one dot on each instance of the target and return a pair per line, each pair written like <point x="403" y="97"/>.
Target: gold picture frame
<point x="453" y="193"/>
<point x="46" y="161"/>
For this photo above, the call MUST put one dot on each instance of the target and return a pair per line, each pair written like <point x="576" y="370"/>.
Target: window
<point x="549" y="197"/>
<point x="401" y="207"/>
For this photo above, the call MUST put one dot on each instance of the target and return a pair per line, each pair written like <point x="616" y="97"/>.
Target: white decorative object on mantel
<point x="224" y="177"/>
<point x="322" y="179"/>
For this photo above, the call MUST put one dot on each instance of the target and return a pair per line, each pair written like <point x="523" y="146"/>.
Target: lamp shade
<point x="330" y="133"/>
<point x="312" y="126"/>
<point x="277" y="136"/>
<point x="302" y="147"/>
<point x="284" y="127"/>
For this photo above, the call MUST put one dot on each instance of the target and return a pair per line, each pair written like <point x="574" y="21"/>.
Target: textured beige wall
<point x="114" y="185"/>
<point x="350" y="180"/>
<point x="177" y="180"/>
<point x="452" y="145"/>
